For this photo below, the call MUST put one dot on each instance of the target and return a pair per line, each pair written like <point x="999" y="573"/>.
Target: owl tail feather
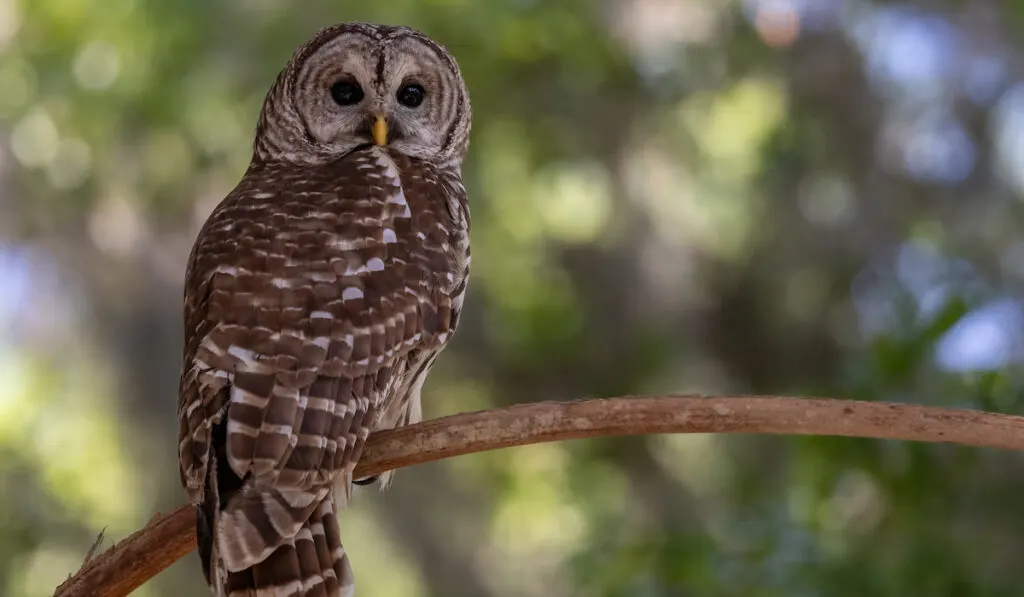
<point x="268" y="542"/>
<point x="312" y="563"/>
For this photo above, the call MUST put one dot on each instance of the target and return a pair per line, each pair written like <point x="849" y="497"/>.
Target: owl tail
<point x="272" y="543"/>
<point x="311" y="563"/>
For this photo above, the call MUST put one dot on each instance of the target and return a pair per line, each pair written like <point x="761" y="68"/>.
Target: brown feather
<point x="316" y="313"/>
<point x="318" y="295"/>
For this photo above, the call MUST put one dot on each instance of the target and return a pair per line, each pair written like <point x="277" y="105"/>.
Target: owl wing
<point x="305" y="293"/>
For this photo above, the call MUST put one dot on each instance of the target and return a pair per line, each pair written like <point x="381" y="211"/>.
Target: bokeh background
<point x="811" y="197"/>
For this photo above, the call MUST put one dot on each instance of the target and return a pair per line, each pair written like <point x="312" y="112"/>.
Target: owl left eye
<point x="411" y="95"/>
<point x="346" y="93"/>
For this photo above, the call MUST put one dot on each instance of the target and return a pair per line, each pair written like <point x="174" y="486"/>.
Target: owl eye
<point x="411" y="95"/>
<point x="346" y="93"/>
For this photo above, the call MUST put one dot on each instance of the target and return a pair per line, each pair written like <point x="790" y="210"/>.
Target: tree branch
<point x="167" y="538"/>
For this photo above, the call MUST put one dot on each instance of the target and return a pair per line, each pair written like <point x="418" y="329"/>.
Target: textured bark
<point x="167" y="538"/>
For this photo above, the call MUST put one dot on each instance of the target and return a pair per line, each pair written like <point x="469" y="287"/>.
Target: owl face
<point x="356" y="84"/>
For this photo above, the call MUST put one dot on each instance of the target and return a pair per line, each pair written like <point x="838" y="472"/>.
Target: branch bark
<point x="167" y="538"/>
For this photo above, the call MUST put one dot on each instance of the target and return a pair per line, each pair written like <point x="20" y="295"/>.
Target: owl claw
<point x="367" y="480"/>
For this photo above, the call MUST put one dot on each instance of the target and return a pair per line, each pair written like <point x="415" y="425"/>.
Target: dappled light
<point x="731" y="196"/>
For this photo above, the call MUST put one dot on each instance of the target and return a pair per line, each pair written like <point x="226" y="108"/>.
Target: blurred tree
<point x="668" y="195"/>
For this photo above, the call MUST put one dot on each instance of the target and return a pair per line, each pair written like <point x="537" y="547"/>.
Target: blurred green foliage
<point x="668" y="196"/>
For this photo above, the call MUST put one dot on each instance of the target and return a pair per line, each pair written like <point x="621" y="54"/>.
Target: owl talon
<point x="367" y="480"/>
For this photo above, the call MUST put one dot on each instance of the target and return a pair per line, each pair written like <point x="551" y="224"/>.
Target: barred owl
<point x="318" y="295"/>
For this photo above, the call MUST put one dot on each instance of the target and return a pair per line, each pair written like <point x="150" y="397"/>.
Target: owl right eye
<point x="346" y="93"/>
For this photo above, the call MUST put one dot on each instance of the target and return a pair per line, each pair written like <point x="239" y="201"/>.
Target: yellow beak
<point x="380" y="130"/>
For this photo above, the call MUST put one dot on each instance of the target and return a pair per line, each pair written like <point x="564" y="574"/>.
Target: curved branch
<point x="167" y="538"/>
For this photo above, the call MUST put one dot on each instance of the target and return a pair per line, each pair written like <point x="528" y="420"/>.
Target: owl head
<point x="356" y="84"/>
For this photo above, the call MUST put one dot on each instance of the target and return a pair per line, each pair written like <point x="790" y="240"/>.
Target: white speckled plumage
<point x="318" y="295"/>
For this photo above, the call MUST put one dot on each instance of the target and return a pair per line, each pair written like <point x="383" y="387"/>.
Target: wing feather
<point x="304" y="307"/>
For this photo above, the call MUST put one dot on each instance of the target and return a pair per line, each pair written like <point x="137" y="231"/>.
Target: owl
<point x="318" y="295"/>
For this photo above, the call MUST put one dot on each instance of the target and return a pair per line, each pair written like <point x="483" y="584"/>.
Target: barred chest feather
<point x="355" y="269"/>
